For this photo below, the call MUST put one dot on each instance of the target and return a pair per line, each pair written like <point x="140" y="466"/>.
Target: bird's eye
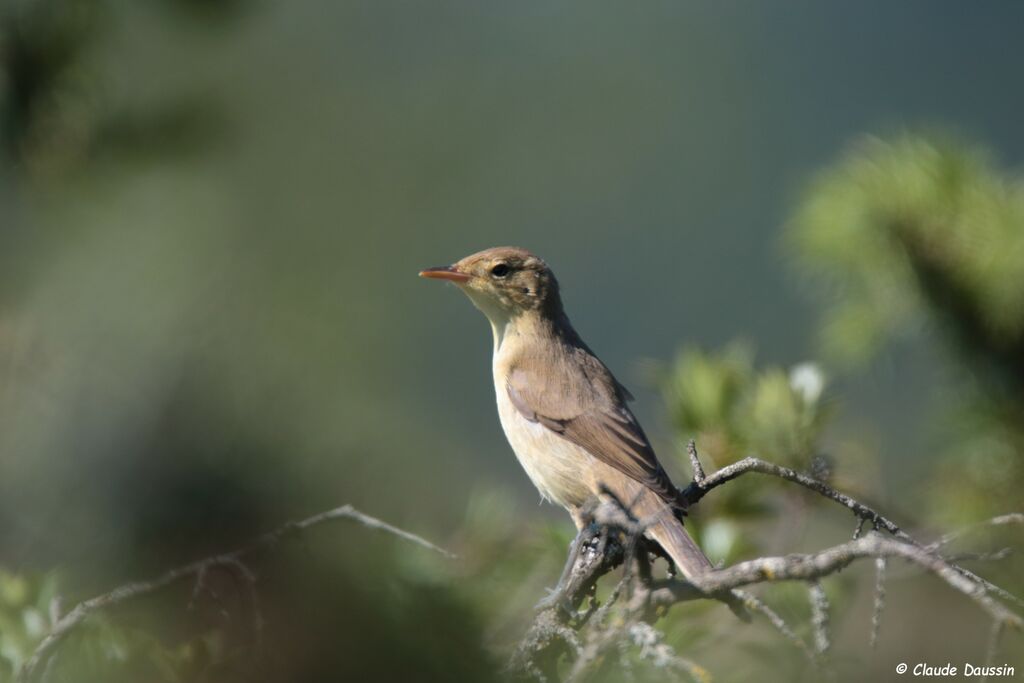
<point x="500" y="270"/>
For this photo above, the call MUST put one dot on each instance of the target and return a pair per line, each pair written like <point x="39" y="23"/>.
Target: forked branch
<point x="587" y="636"/>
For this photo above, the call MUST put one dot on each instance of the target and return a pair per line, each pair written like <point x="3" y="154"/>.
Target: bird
<point x="563" y="412"/>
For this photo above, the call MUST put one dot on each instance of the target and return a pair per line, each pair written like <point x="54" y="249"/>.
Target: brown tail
<point x="672" y="537"/>
<point x="689" y="558"/>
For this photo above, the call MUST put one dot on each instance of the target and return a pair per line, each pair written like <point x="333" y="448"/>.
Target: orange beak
<point x="445" y="273"/>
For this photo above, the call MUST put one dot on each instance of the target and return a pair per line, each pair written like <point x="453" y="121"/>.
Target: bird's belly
<point x="558" y="468"/>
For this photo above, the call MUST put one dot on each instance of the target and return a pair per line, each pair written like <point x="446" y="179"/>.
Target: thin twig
<point x="991" y="556"/>
<point x="819" y="617"/>
<point x="992" y="651"/>
<point x="859" y="529"/>
<point x="988" y="585"/>
<point x="538" y="654"/>
<point x="343" y="512"/>
<point x="697" y="490"/>
<point x="754" y="603"/>
<point x="198" y="570"/>
<point x="698" y="470"/>
<point x="879" y="602"/>
<point x="1002" y="520"/>
<point x="813" y="566"/>
<point x="661" y="654"/>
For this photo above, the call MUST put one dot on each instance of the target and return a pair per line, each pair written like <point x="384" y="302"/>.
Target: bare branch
<point x="814" y="566"/>
<point x="879" y="602"/>
<point x="198" y="571"/>
<point x="859" y="529"/>
<point x="1002" y="520"/>
<point x="697" y="490"/>
<point x="661" y="654"/>
<point x="698" y="470"/>
<point x="988" y="585"/>
<point x="339" y="513"/>
<point x="754" y="603"/>
<point x="992" y="651"/>
<point x="819" y="617"/>
<point x="991" y="556"/>
<point x="614" y="536"/>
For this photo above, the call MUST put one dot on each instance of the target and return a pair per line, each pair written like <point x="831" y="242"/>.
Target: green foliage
<point x="981" y="471"/>
<point x="25" y="607"/>
<point x="916" y="229"/>
<point x="920" y="234"/>
<point x="101" y="649"/>
<point x="734" y="409"/>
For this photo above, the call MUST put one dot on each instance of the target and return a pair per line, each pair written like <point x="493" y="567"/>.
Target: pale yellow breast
<point x="558" y="468"/>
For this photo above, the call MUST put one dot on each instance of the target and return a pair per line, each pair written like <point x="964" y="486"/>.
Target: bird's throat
<point x="499" y="316"/>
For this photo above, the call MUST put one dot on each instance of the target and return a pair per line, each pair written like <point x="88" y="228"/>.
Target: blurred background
<point x="792" y="230"/>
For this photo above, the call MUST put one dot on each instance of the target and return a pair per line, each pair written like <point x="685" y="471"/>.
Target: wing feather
<point x="589" y="409"/>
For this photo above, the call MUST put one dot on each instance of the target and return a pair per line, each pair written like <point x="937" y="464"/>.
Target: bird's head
<point x="503" y="282"/>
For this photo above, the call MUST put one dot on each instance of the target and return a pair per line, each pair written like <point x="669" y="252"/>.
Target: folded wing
<point x="594" y="417"/>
